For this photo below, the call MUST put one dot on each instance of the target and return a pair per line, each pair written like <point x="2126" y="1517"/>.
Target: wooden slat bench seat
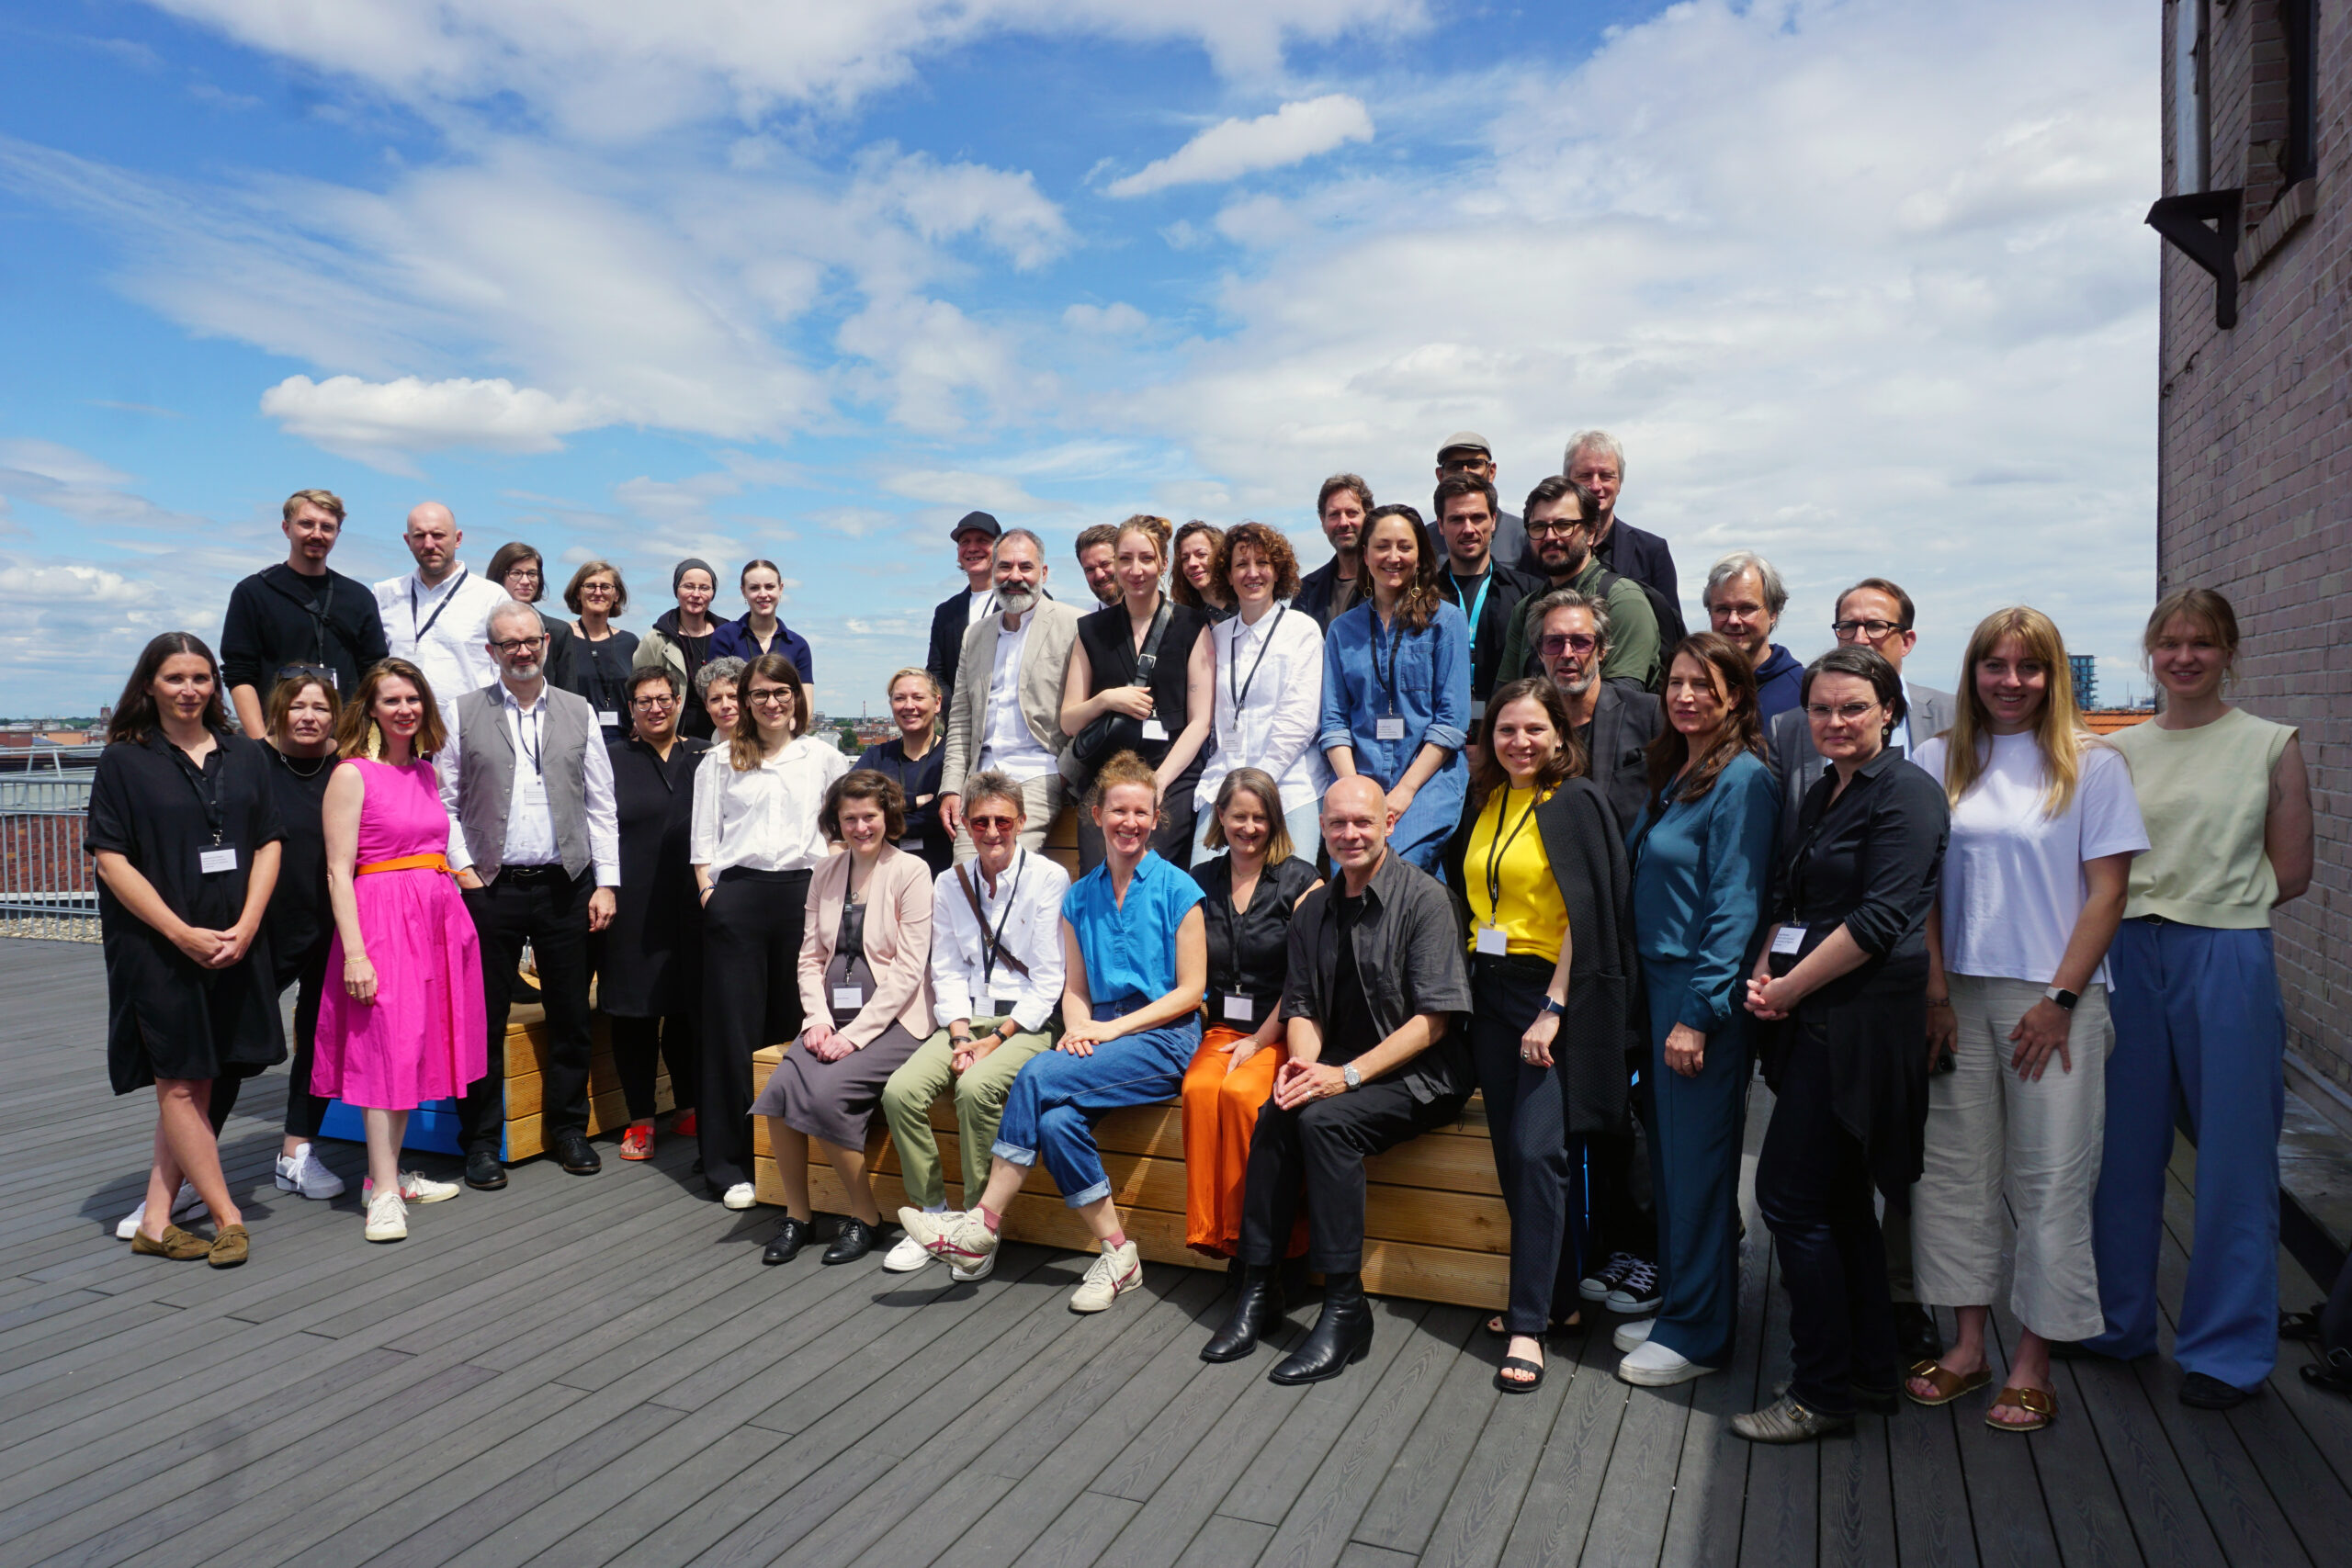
<point x="527" y="1059"/>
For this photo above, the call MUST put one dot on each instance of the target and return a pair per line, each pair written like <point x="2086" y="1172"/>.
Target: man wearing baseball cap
<point x="975" y="534"/>
<point x="1467" y="452"/>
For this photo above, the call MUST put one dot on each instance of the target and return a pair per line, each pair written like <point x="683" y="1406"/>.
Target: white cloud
<point x="1117" y="319"/>
<point x="381" y="421"/>
<point x="42" y="473"/>
<point x="1292" y="134"/>
<point x="962" y="488"/>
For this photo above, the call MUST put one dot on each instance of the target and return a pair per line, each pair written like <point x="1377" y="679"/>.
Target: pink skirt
<point x="421" y="1038"/>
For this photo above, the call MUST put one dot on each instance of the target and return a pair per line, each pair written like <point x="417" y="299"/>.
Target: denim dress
<point x="1372" y="672"/>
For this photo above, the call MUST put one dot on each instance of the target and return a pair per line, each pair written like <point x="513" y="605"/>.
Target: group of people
<point x="1464" y="811"/>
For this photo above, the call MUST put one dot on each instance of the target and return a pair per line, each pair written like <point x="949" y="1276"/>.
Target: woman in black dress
<point x="648" y="963"/>
<point x="602" y="653"/>
<point x="304" y="708"/>
<point x="912" y="761"/>
<point x="186" y="834"/>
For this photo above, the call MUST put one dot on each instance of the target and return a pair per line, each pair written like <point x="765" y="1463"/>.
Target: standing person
<point x="402" y="1023"/>
<point x="1142" y="669"/>
<point x="1266" y="666"/>
<point x="2199" y="1030"/>
<point x="602" y="654"/>
<point x="1841" y="985"/>
<point x="1595" y="460"/>
<point x="1248" y="894"/>
<point x="184" y="826"/>
<point x="1702" y="864"/>
<point x="996" y="985"/>
<point x="1010" y="720"/>
<point x="649" y="960"/>
<point x="299" y="612"/>
<point x="1375" y="1002"/>
<point x="1613" y="722"/>
<point x="864" y="992"/>
<point x="1466" y="455"/>
<point x="1196" y="584"/>
<point x="1744" y="598"/>
<point x="2043" y="830"/>
<point x="521" y="570"/>
<point x="1472" y="577"/>
<point x="1095" y="546"/>
<point x="756" y="839"/>
<point x="974" y="536"/>
<point x="1134" y="954"/>
<point x="1397" y="688"/>
<point x="303" y="709"/>
<point x="758" y="630"/>
<point x="1340" y="507"/>
<point x="914" y="762"/>
<point x="1559" y="529"/>
<point x="718" y="688"/>
<point x="437" y="617"/>
<point x="535" y="842"/>
<point x="1551" y="939"/>
<point x="681" y="639"/>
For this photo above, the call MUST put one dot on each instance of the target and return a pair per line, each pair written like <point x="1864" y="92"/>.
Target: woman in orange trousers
<point x="1250" y="891"/>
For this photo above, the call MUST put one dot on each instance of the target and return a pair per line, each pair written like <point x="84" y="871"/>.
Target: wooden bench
<point x="526" y="1063"/>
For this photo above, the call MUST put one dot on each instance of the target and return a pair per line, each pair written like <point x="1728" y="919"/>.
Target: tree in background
<point x="846" y="738"/>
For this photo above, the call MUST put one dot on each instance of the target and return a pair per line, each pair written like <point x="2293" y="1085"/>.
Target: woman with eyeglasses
<point x="602" y="654"/>
<point x="759" y="630"/>
<point x="516" y="568"/>
<point x="681" y="639"/>
<point x="757" y="840"/>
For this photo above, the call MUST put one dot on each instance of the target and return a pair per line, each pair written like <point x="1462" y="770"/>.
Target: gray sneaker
<point x="1786" y="1421"/>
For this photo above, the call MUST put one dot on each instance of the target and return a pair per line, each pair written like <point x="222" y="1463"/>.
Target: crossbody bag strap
<point x="990" y="947"/>
<point x="1148" y="658"/>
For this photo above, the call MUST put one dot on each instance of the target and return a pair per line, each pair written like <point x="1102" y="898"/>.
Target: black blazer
<point x="1508" y="589"/>
<point x="1643" y="556"/>
<point x="1314" y="591"/>
<point x="948" y="624"/>
<point x="1626" y="719"/>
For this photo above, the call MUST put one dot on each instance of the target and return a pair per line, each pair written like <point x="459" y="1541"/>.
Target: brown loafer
<point x="231" y="1247"/>
<point x="179" y="1246"/>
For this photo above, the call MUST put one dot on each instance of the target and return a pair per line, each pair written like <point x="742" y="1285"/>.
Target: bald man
<point x="438" y="615"/>
<point x="1377" y="1014"/>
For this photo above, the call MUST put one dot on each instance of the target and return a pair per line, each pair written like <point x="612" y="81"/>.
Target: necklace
<point x="315" y="767"/>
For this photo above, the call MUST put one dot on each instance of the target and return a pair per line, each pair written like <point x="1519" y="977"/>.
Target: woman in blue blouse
<point x="1702" y="864"/>
<point x="1397" y="688"/>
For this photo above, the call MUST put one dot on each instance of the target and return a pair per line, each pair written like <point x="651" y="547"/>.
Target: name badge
<point x="1478" y="709"/>
<point x="1389" y="729"/>
<point x="1003" y="1005"/>
<point x="849" y="998"/>
<point x="535" y="788"/>
<point x="1787" y="939"/>
<point x="222" y="859"/>
<point x="1493" y="942"/>
<point x="607" y="717"/>
<point x="1240" y="1010"/>
<point x="1153" y="730"/>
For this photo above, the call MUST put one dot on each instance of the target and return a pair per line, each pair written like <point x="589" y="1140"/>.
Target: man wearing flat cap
<point x="975" y="534"/>
<point x="1468" y="452"/>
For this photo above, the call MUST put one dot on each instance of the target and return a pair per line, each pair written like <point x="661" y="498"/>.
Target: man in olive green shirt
<point x="1560" y="515"/>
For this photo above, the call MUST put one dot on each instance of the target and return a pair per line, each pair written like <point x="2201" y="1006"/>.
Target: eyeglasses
<point x="992" y="824"/>
<point x="1581" y="642"/>
<point x="514" y="644"/>
<point x="1562" y="526"/>
<point x="768" y="697"/>
<point x="1870" y="629"/>
<point x="653" y="704"/>
<point x="1464" y="465"/>
<point x="1849" y="712"/>
<point x="523" y="574"/>
<point x="601" y="590"/>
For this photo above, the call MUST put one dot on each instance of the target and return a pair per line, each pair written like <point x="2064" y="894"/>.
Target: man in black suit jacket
<point x="1341" y="506"/>
<point x="1595" y="460"/>
<point x="1615" y="720"/>
<point x="975" y="534"/>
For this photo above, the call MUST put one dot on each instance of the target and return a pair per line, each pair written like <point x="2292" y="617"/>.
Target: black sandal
<point x="2334" y="1380"/>
<point x="1515" y="1385"/>
<point x="2300" y="1326"/>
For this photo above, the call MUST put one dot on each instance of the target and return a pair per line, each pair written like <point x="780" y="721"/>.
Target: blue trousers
<point x="1052" y="1108"/>
<point x="2199" y="1030"/>
<point x="1696" y="1131"/>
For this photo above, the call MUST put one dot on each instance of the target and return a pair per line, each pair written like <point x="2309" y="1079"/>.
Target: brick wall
<point x="2254" y="457"/>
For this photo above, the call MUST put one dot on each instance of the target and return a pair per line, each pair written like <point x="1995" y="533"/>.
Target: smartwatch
<point x="2064" y="998"/>
<point x="1349" y="1076"/>
<point x="1559" y="1009"/>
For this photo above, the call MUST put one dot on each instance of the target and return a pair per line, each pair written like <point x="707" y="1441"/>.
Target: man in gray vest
<point x="535" y="844"/>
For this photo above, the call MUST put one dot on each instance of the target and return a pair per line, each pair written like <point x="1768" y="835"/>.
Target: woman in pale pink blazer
<point x="865" y="989"/>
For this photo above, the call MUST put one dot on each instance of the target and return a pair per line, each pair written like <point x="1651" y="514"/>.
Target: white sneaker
<point x="1655" y="1366"/>
<point x="185" y="1205"/>
<point x="302" y="1171"/>
<point x="742" y="1195"/>
<point x="976" y="1272"/>
<point x="387" y="1218"/>
<point x="907" y="1257"/>
<point x="961" y="1239"/>
<point x="1111" y="1276"/>
<point x="1630" y="1334"/>
<point x="415" y="1188"/>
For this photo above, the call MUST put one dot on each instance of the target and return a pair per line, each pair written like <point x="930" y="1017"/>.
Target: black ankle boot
<point x="1255" y="1313"/>
<point x="1341" y="1337"/>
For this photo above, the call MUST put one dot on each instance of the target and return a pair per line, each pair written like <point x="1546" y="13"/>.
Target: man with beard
<point x="1096" y="546"/>
<point x="1007" y="715"/>
<point x="1744" y="599"/>
<point x="1341" y="505"/>
<point x="298" y="613"/>
<point x="975" y="536"/>
<point x="1559" y="526"/>
<point x="1595" y="460"/>
<point x="1613" y="723"/>
<point x="1471" y="575"/>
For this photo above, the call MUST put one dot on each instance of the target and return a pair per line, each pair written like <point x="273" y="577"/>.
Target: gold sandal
<point x="2039" y="1403"/>
<point x="1949" y="1385"/>
<point x="179" y="1246"/>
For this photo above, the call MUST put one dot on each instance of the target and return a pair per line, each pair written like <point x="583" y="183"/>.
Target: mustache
<point x="1016" y="597"/>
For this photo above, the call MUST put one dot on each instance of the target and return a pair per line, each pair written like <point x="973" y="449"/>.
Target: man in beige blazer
<point x="1006" y="712"/>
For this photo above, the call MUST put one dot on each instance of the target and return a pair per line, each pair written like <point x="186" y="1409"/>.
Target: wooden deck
<point x="580" y="1371"/>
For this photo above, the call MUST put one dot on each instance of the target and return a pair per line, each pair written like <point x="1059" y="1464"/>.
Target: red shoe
<point x="638" y="1142"/>
<point x="682" y="1124"/>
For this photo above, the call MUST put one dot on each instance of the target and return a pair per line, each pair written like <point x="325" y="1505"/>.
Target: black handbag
<point x="1113" y="733"/>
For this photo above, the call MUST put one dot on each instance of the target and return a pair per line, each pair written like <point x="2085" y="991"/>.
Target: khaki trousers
<point x="1992" y="1134"/>
<point x="979" y="1094"/>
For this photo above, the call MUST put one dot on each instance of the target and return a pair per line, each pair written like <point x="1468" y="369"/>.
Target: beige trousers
<point x="1992" y="1134"/>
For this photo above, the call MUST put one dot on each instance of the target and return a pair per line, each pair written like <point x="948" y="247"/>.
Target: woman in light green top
<point x="2198" y="1022"/>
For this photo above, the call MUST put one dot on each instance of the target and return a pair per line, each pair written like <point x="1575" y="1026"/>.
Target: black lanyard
<point x="417" y="632"/>
<point x="206" y="787"/>
<point x="536" y="753"/>
<point x="1242" y="692"/>
<point x="1396" y="635"/>
<point x="1499" y="847"/>
<point x="993" y="943"/>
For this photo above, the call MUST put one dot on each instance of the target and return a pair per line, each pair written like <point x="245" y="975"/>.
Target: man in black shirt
<point x="1471" y="576"/>
<point x="1342" y="505"/>
<point x="298" y="613"/>
<point x="1376" y="1004"/>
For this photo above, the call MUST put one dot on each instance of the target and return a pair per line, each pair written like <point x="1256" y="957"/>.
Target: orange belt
<point x="407" y="863"/>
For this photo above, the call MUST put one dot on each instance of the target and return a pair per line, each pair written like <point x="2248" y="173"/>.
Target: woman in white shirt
<point x="757" y="796"/>
<point x="2043" y="828"/>
<point x="1269" y="678"/>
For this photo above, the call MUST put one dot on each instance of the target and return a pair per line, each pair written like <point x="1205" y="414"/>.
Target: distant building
<point x="2086" y="670"/>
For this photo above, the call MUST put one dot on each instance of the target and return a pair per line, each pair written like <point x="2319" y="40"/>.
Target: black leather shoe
<point x="785" y="1246"/>
<point x="854" y="1241"/>
<point x="1255" y="1313"/>
<point x="1916" y="1333"/>
<point x="1342" y="1337"/>
<point x="572" y="1153"/>
<point x="483" y="1170"/>
<point x="2202" y="1393"/>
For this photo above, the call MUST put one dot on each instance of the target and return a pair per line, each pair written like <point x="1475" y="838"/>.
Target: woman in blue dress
<point x="1397" y="688"/>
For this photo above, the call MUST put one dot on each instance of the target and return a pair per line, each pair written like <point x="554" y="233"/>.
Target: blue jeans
<point x="2199" y="1030"/>
<point x="1054" y="1101"/>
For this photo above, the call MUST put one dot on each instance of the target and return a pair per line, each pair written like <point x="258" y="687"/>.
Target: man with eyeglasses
<point x="1559" y="527"/>
<point x="1744" y="598"/>
<point x="534" y="840"/>
<point x="1467" y="455"/>
<point x="1007" y="715"/>
<point x="437" y="617"/>
<point x="1615" y="723"/>
<point x="297" y="614"/>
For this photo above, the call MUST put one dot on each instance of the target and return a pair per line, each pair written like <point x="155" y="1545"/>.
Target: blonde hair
<point x="1259" y="784"/>
<point x="357" y="734"/>
<point x="2058" y="731"/>
<point x="919" y="673"/>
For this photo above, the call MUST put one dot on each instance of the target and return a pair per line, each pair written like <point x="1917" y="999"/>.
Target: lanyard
<point x="535" y="748"/>
<point x="1395" y="634"/>
<point x="992" y="944"/>
<point x="1242" y="692"/>
<point x="1501" y="846"/>
<point x="417" y="632"/>
<point x="1474" y="606"/>
<point x="206" y="787"/>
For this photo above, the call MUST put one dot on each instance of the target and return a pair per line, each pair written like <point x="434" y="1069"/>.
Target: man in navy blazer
<point x="1595" y="460"/>
<point x="975" y="534"/>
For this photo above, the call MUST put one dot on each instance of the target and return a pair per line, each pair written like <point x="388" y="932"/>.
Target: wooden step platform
<point x="526" y="1062"/>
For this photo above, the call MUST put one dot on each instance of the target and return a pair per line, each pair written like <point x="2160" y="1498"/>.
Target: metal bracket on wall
<point x="2183" y="219"/>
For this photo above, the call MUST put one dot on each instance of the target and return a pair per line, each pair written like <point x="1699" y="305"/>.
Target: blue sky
<point x="1860" y="285"/>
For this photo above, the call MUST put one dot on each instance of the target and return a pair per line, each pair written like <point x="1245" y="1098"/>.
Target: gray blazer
<point x="1626" y="719"/>
<point x="1796" y="764"/>
<point x="1045" y="661"/>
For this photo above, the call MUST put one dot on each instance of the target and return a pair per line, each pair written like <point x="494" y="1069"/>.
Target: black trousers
<point x="1625" y="1210"/>
<point x="634" y="1042"/>
<point x="1172" y="839"/>
<point x="548" y="909"/>
<point x="1812" y="1185"/>
<point x="305" y="1110"/>
<point x="1322" y="1147"/>
<point x="1540" y="1167"/>
<point x="751" y="959"/>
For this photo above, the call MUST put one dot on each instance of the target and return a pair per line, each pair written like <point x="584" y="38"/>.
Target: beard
<point x="1016" y="600"/>
<point x="1579" y="684"/>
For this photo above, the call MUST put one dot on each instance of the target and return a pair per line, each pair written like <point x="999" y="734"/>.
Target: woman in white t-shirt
<point x="1269" y="669"/>
<point x="2043" y="828"/>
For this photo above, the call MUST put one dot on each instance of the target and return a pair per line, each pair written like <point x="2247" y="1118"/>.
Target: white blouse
<point x="764" y="819"/>
<point x="1268" y="708"/>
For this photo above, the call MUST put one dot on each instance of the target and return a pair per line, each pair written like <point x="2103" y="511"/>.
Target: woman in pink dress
<point x="405" y="1025"/>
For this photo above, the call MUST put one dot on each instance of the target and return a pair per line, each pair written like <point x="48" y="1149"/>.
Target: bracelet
<point x="1940" y="1001"/>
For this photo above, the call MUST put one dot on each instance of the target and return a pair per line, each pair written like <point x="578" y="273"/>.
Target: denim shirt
<point x="1432" y="689"/>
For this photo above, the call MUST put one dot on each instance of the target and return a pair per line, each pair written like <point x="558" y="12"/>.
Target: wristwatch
<point x="2064" y="998"/>
<point x="1558" y="1009"/>
<point x="1349" y="1076"/>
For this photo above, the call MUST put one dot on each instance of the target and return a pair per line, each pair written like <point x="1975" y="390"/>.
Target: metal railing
<point x="49" y="887"/>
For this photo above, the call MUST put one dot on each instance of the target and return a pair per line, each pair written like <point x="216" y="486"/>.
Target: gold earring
<point x="375" y="741"/>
